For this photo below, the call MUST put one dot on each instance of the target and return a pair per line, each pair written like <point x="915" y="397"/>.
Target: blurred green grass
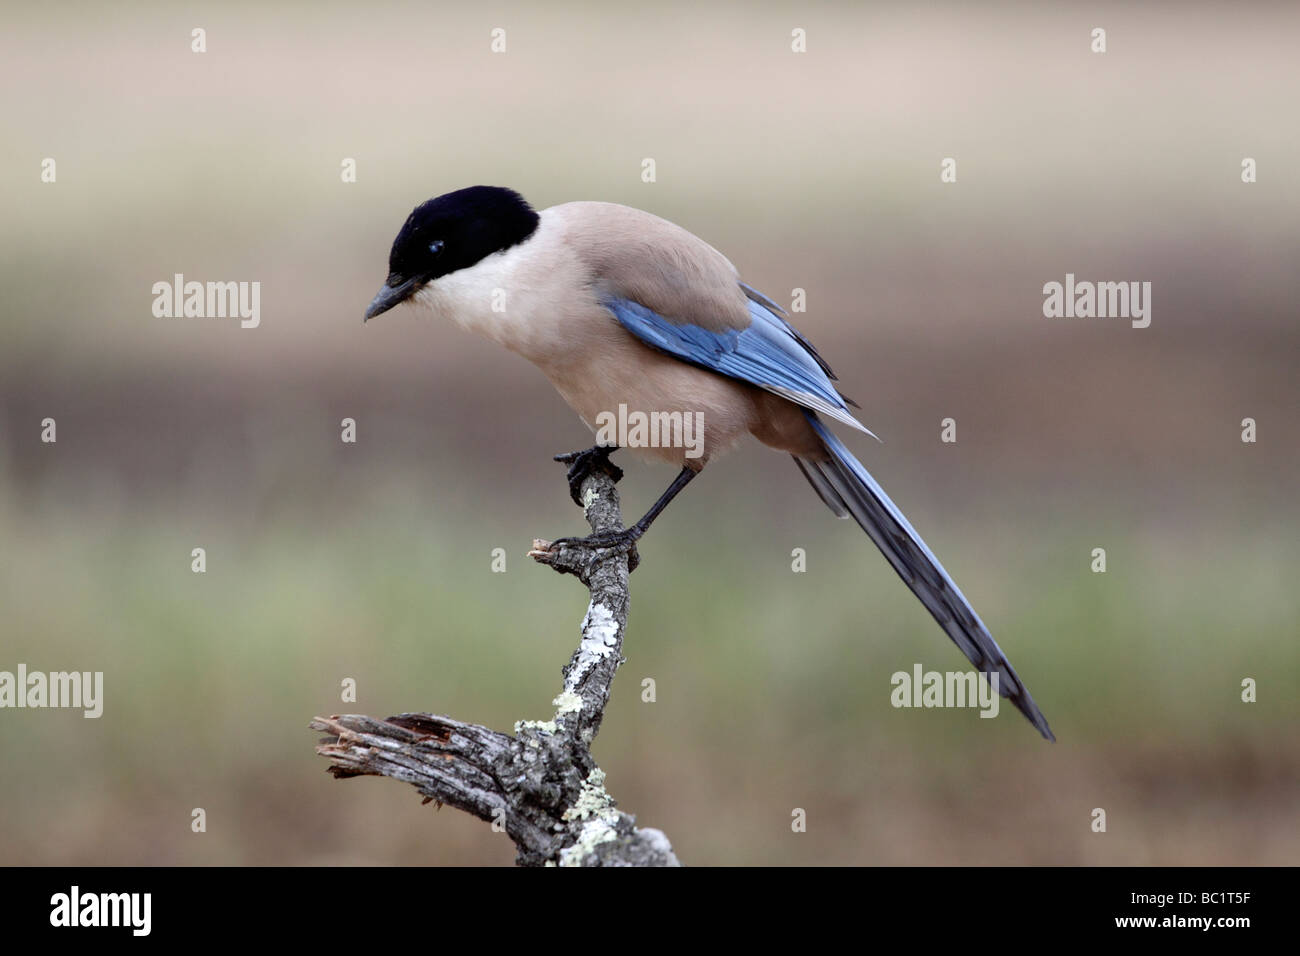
<point x="773" y="687"/>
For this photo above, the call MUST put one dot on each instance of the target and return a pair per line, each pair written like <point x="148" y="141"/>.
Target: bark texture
<point x="540" y="784"/>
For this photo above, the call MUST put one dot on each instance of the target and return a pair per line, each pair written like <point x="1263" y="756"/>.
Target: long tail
<point x="848" y="489"/>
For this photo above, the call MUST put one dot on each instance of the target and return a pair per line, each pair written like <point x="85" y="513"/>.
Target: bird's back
<point x="639" y="256"/>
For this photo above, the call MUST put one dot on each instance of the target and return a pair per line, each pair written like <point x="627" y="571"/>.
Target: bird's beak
<point x="395" y="291"/>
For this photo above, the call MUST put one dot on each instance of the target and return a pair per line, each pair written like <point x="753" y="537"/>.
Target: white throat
<point x="505" y="295"/>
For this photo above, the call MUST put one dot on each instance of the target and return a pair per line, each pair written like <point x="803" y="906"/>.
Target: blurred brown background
<point x="817" y="170"/>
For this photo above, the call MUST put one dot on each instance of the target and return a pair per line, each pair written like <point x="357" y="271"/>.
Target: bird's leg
<point x="626" y="539"/>
<point x="588" y="462"/>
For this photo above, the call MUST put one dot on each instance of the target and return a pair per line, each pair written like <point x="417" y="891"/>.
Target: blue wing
<point x="769" y="353"/>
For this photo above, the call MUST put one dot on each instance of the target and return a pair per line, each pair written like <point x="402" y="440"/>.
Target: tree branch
<point x="541" y="785"/>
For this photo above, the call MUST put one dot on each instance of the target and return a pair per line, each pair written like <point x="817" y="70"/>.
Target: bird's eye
<point x="436" y="246"/>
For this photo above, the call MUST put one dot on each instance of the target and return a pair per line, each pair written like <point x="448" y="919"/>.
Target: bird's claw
<point x="587" y="462"/>
<point x="624" y="540"/>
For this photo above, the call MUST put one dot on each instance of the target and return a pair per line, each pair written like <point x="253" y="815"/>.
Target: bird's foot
<point x="587" y="462"/>
<point x="624" y="540"/>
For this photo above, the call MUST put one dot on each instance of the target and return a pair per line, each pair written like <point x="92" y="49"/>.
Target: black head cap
<point x="449" y="233"/>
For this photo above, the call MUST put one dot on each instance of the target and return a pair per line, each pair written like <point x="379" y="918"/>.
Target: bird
<point x="617" y="306"/>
